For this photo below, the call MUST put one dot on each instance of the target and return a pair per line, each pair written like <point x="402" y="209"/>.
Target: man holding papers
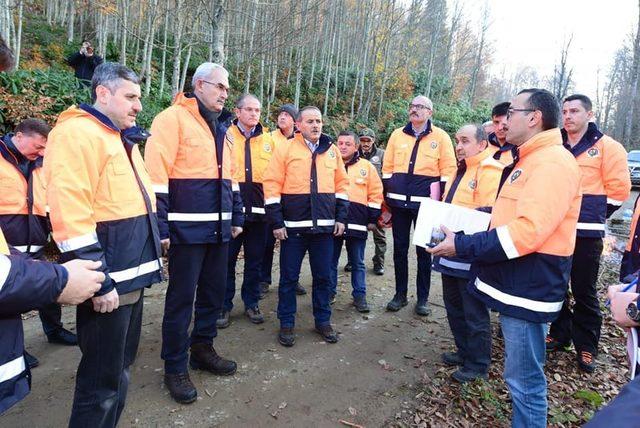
<point x="475" y="186"/>
<point x="524" y="260"/>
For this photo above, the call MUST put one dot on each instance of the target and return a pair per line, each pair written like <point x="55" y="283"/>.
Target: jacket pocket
<point x="198" y="153"/>
<point x="120" y="179"/>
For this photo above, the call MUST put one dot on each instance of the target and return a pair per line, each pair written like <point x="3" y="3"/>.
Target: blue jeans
<point x="292" y="251"/>
<point x="267" y="258"/>
<point x="524" y="344"/>
<point x="355" y="254"/>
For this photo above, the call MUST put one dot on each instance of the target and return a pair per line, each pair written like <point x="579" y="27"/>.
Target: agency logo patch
<point x="375" y="159"/>
<point x="593" y="152"/>
<point x="332" y="154"/>
<point x="434" y="145"/>
<point x="517" y="173"/>
<point x="473" y="184"/>
<point x="267" y="148"/>
<point x="363" y="172"/>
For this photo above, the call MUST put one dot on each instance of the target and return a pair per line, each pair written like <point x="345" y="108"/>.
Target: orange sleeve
<point x="615" y="174"/>
<point x="447" y="162"/>
<point x="161" y="149"/>
<point x="374" y="196"/>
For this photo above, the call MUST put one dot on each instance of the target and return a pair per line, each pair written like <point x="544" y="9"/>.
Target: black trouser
<point x="50" y="316"/>
<point x="469" y="322"/>
<point x="109" y="343"/>
<point x="583" y="325"/>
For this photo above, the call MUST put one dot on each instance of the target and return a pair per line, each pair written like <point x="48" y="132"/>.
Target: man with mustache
<point x="189" y="158"/>
<point x="305" y="189"/>
<point x="419" y="160"/>
<point x="102" y="207"/>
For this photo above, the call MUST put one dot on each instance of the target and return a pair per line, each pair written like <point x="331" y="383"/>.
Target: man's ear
<point x="102" y="92"/>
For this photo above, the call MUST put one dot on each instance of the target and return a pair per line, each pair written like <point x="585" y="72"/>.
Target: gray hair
<point x="307" y="108"/>
<point x="244" y="97"/>
<point x="109" y="75"/>
<point x="204" y="70"/>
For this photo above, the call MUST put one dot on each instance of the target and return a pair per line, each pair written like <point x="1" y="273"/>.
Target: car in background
<point x="633" y="160"/>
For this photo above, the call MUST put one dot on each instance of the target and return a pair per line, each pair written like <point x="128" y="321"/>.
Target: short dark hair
<point x="33" y="126"/>
<point x="348" y="133"/>
<point x="584" y="100"/>
<point x="7" y="60"/>
<point x="500" y="109"/>
<point x="306" y="108"/>
<point x="108" y="74"/>
<point x="546" y="103"/>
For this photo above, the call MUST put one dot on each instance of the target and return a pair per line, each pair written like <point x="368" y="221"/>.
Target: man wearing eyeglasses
<point x="418" y="161"/>
<point x="189" y="158"/>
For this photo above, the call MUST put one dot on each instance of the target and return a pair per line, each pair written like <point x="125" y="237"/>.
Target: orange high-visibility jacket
<point x="278" y="137"/>
<point x="306" y="192"/>
<point x="101" y="199"/>
<point x="251" y="157"/>
<point x="475" y="186"/>
<point x="503" y="154"/>
<point x="524" y="260"/>
<point x="365" y="196"/>
<point x="192" y="171"/>
<point x="23" y="215"/>
<point x="606" y="183"/>
<point x="412" y="162"/>
<point x="631" y="258"/>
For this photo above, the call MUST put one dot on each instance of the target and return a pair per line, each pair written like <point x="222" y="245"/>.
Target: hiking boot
<point x="397" y="303"/>
<point x="348" y="267"/>
<point x="452" y="359"/>
<point x="586" y="361"/>
<point x="181" y="388"/>
<point x="31" y="361"/>
<point x="463" y="375"/>
<point x="254" y="315"/>
<point x="327" y="333"/>
<point x="223" y="321"/>
<point x="204" y="357"/>
<point x="378" y="270"/>
<point x="422" y="309"/>
<point x="300" y="291"/>
<point x="64" y="337"/>
<point x="286" y="337"/>
<point x="554" y="345"/>
<point x="263" y="289"/>
<point x="361" y="305"/>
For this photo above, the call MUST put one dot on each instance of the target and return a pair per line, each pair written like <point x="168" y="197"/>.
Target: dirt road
<point x="366" y="378"/>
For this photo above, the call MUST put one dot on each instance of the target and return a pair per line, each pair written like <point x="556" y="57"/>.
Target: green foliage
<point x="593" y="398"/>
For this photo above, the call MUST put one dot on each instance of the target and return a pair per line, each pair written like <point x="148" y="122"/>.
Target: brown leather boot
<point x="204" y="357"/>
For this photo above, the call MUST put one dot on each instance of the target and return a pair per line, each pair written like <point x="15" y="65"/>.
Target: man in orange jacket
<point x="606" y="184"/>
<point x="305" y="189"/>
<point x="365" y="200"/>
<point x="524" y="260"/>
<point x="189" y="158"/>
<point x="102" y="207"/>
<point x="474" y="186"/>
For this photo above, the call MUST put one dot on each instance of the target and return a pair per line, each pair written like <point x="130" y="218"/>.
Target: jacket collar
<point x="190" y="102"/>
<point x="550" y="137"/>
<point x="479" y="157"/>
<point x="323" y="143"/>
<point x="12" y="155"/>
<point x="133" y="135"/>
<point x="257" y="130"/>
<point x="354" y="159"/>
<point x="408" y="129"/>
<point x="587" y="141"/>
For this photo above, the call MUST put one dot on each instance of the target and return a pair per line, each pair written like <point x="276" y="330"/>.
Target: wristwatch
<point x="633" y="312"/>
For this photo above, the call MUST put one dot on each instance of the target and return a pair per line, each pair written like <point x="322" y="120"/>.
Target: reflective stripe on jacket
<point x="365" y="196"/>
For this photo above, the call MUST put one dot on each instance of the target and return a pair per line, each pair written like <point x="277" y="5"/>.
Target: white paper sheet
<point x="433" y="213"/>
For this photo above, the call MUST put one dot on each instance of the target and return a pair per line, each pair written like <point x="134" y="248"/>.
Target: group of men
<point x="213" y="182"/>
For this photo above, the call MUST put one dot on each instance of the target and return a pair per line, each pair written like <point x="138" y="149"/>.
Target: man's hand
<point x="165" y="244"/>
<point x="235" y="231"/>
<point x="280" y="234"/>
<point x="83" y="282"/>
<point x="447" y="248"/>
<point x="619" y="304"/>
<point x="107" y="303"/>
<point x="372" y="226"/>
<point x="338" y="229"/>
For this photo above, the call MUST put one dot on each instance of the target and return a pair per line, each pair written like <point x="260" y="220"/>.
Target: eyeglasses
<point x="217" y="85"/>
<point x="418" y="107"/>
<point x="513" y="110"/>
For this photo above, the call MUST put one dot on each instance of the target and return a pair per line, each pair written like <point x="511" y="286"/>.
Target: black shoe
<point x="555" y="345"/>
<point x="300" y="291"/>
<point x="378" y="270"/>
<point x="264" y="289"/>
<point x="361" y="305"/>
<point x="223" y="321"/>
<point x="181" y="388"/>
<point x="327" y="333"/>
<point x="332" y="299"/>
<point x="422" y="309"/>
<point x="31" y="361"/>
<point x="254" y="315"/>
<point x="586" y="361"/>
<point x="63" y="337"/>
<point x="286" y="337"/>
<point x="204" y="357"/>
<point x="397" y="303"/>
<point x="452" y="359"/>
<point x="463" y="375"/>
<point x="347" y="267"/>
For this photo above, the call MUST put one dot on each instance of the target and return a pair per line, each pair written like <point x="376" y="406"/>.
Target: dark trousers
<point x="292" y="251"/>
<point x="50" y="316"/>
<point x="252" y="239"/>
<point x="109" y="343"/>
<point x="583" y="325"/>
<point x="380" y="242"/>
<point x="402" y="220"/>
<point x="267" y="258"/>
<point x="195" y="270"/>
<point x="355" y="256"/>
<point x="469" y="322"/>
